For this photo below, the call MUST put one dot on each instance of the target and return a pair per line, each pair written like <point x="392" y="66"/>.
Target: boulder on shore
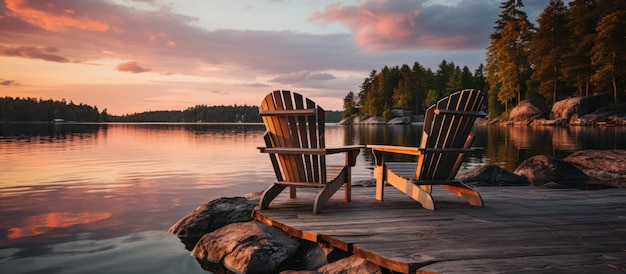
<point x="211" y="216"/>
<point x="606" y="166"/>
<point x="569" y="110"/>
<point x="528" y="110"/>
<point x="491" y="176"/>
<point x="399" y="121"/>
<point x="248" y="247"/>
<point x="541" y="170"/>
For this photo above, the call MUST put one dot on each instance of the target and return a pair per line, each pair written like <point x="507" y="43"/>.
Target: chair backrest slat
<point x="447" y="125"/>
<point x="293" y="121"/>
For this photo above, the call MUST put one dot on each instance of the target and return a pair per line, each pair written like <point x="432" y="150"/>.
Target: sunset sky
<point x="138" y="55"/>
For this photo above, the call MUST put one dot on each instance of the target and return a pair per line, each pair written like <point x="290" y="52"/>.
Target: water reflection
<point x="504" y="146"/>
<point x="90" y="183"/>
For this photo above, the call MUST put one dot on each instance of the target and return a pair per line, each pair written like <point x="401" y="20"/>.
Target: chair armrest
<point x="295" y="150"/>
<point x="397" y="149"/>
<point x="344" y="149"/>
<point x="419" y="151"/>
<point x="310" y="151"/>
<point x="351" y="153"/>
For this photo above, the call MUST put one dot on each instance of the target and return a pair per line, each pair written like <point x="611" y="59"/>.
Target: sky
<point x="131" y="56"/>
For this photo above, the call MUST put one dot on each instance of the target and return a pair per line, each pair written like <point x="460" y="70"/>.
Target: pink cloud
<point x="131" y="66"/>
<point x="404" y="24"/>
<point x="55" y="15"/>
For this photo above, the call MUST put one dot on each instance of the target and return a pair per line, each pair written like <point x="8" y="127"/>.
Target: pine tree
<point x="548" y="45"/>
<point x="363" y="93"/>
<point x="507" y="53"/>
<point x="349" y="105"/>
<point x="403" y="94"/>
<point x="582" y="19"/>
<point x="609" y="54"/>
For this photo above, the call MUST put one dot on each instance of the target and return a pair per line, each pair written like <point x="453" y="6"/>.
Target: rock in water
<point x="603" y="165"/>
<point x="249" y="247"/>
<point x="211" y="216"/>
<point x="491" y="176"/>
<point x="542" y="169"/>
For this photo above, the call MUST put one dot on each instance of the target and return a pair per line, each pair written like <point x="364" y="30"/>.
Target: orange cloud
<point x="53" y="17"/>
<point x="131" y="66"/>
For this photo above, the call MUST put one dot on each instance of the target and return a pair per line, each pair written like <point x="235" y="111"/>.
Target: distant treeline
<point x="34" y="110"/>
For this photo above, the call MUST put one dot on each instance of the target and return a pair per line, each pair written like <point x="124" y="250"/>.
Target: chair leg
<point x="409" y="188"/>
<point x="269" y="194"/>
<point x="466" y="192"/>
<point x="331" y="187"/>
<point x="380" y="181"/>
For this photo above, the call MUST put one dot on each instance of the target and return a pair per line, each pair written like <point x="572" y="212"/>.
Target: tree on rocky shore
<point x="508" y="68"/>
<point x="548" y="46"/>
<point x="609" y="54"/>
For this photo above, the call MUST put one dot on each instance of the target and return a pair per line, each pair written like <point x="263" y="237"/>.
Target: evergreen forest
<point x="574" y="50"/>
<point x="33" y="110"/>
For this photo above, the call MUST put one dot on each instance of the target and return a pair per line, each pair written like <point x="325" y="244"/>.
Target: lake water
<point x="80" y="198"/>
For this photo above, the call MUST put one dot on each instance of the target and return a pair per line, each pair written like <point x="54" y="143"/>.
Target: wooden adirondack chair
<point x="445" y="140"/>
<point x="295" y="143"/>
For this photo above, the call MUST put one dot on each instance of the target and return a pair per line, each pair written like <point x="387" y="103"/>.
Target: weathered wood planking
<point x="520" y="229"/>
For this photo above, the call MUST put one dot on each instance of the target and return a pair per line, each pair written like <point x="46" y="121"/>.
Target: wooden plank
<point x="522" y="227"/>
<point x="287" y="112"/>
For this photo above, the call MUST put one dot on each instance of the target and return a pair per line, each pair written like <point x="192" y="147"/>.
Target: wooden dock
<point x="520" y="229"/>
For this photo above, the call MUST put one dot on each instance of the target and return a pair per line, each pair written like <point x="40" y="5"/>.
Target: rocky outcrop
<point x="552" y="172"/>
<point x="398" y="118"/>
<point x="350" y="264"/>
<point x="569" y="110"/>
<point x="491" y="176"/>
<point x="602" y="166"/>
<point x="399" y="121"/>
<point x="528" y="110"/>
<point x="603" y="116"/>
<point x="224" y="239"/>
<point x="372" y="121"/>
<point x="248" y="247"/>
<point x="592" y="110"/>
<point x="212" y="216"/>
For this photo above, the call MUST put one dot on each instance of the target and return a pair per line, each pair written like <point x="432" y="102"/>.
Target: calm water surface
<point x="78" y="198"/>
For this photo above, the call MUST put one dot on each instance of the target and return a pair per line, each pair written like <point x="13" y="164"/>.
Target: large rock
<point x="529" y="110"/>
<point x="211" y="216"/>
<point x="571" y="109"/>
<point x="399" y="121"/>
<point x="541" y="170"/>
<point x="372" y="121"/>
<point x="603" y="115"/>
<point x="249" y="247"/>
<point x="491" y="176"/>
<point x="350" y="264"/>
<point x="602" y="165"/>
